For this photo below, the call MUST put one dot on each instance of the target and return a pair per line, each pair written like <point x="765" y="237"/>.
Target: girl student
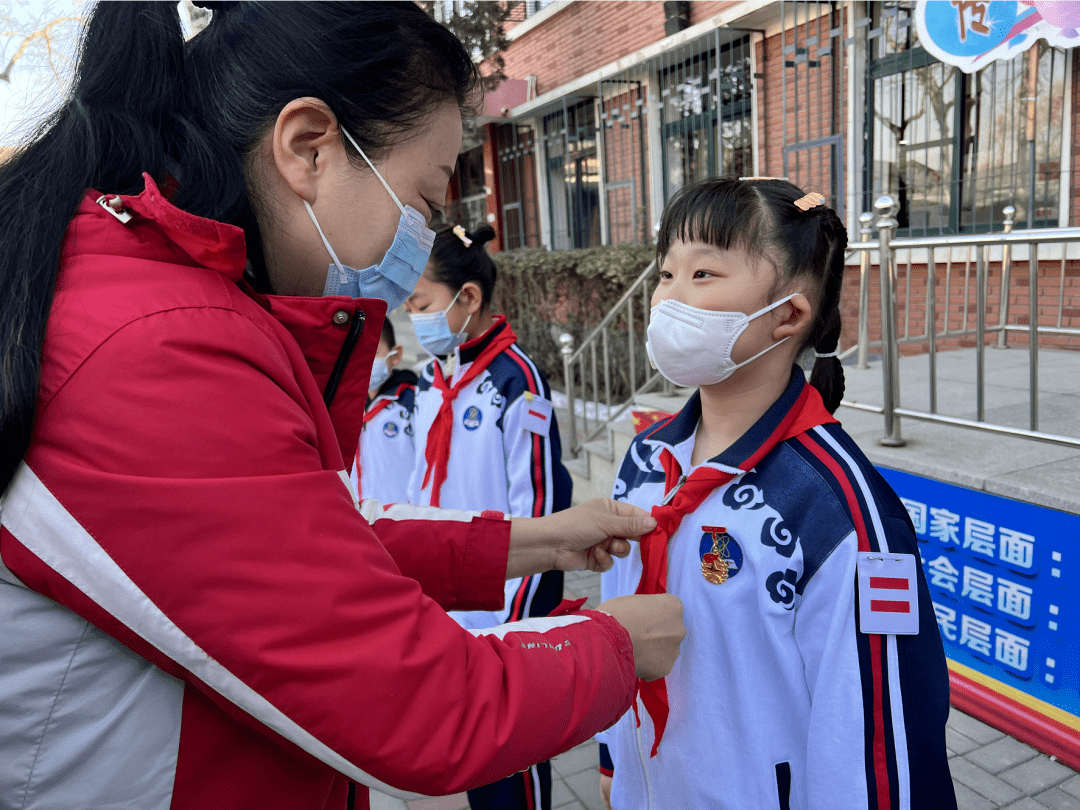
<point x="813" y="676"/>
<point x="384" y="459"/>
<point x="195" y="611"/>
<point x="486" y="437"/>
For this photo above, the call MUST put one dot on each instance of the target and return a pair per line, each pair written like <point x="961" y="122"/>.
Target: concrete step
<point x="663" y="402"/>
<point x="601" y="447"/>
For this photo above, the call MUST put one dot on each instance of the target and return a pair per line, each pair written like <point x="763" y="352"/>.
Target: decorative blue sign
<point x="971" y="34"/>
<point x="1003" y="577"/>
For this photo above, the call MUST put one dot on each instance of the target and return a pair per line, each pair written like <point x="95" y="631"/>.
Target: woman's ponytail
<point x="114" y="125"/>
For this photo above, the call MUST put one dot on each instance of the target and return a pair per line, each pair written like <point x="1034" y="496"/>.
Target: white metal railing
<point x="987" y="249"/>
<point x="609" y="369"/>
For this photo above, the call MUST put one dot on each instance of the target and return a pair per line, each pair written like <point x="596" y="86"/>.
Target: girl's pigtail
<point x="828" y="373"/>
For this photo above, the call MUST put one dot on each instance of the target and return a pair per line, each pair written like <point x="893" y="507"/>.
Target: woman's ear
<point x="797" y="316"/>
<point x="472" y="297"/>
<point x="305" y="139"/>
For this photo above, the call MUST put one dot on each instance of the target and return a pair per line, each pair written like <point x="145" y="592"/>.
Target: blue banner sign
<point x="1003" y="579"/>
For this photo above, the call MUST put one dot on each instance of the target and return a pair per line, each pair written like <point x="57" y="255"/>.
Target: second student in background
<point x="385" y="455"/>
<point x="486" y="438"/>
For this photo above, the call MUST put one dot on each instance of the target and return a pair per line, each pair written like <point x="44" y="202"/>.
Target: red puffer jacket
<point x="195" y="614"/>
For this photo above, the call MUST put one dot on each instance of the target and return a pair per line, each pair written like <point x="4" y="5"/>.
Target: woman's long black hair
<point x="144" y="100"/>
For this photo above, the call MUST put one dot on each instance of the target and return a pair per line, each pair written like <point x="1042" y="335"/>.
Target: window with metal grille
<point x="573" y="173"/>
<point x="953" y="147"/>
<point x="705" y="103"/>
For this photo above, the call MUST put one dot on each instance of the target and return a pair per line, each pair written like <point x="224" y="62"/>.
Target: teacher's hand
<point x="582" y="537"/>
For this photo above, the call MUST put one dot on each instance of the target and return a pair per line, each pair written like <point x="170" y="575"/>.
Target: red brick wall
<point x="700" y="12"/>
<point x="588" y="35"/>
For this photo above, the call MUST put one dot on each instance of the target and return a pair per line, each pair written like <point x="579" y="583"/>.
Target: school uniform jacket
<point x="778" y="700"/>
<point x="496" y="460"/>
<point x="194" y="612"/>
<point x="385" y="457"/>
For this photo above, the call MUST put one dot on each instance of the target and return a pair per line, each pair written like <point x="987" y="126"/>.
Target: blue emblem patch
<point x="472" y="418"/>
<point x="390" y="429"/>
<point x="721" y="556"/>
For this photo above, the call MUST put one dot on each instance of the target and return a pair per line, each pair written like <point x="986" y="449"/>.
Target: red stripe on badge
<point x="890" y="583"/>
<point x="538" y="415"/>
<point x="889" y="606"/>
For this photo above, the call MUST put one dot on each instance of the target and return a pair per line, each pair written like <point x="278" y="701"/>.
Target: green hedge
<point x="545" y="293"/>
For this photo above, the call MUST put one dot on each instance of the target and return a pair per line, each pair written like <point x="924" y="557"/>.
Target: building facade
<point x="610" y="107"/>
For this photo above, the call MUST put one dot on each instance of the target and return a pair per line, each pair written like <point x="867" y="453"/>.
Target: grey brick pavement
<point x="990" y="769"/>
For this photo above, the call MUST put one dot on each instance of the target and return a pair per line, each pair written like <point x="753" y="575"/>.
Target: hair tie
<point x="833" y="353"/>
<point x="459" y="232"/>
<point x="811" y="200"/>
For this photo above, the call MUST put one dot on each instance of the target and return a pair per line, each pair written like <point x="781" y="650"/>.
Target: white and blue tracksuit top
<point x="386" y="455"/>
<point x="495" y="462"/>
<point x="778" y="700"/>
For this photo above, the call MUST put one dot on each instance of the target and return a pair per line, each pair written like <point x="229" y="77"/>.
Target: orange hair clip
<point x="459" y="232"/>
<point x="811" y="200"/>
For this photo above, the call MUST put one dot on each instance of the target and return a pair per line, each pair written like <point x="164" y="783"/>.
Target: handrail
<point x="640" y="281"/>
<point x="887" y="248"/>
<point x="585" y="355"/>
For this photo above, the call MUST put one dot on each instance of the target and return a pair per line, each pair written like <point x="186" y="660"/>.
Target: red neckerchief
<point x="808" y="412"/>
<point x="437" y="451"/>
<point x="382" y="404"/>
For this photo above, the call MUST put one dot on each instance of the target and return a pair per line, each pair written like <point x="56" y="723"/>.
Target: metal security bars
<point x="614" y="153"/>
<point x="958" y="148"/>
<point x="939" y="294"/>
<point x="813" y="96"/>
<point x="515" y="147"/>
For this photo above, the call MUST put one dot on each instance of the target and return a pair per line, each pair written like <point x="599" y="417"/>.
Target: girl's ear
<point x="472" y="297"/>
<point x="797" y="316"/>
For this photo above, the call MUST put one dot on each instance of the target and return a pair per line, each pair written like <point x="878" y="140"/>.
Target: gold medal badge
<point x="715" y="563"/>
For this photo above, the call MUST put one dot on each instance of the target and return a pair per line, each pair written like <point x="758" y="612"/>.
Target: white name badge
<point x="888" y="594"/>
<point x="537" y="416"/>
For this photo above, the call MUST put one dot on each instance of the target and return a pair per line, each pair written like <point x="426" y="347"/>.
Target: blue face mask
<point x="394" y="278"/>
<point x="433" y="330"/>
<point x="380" y="373"/>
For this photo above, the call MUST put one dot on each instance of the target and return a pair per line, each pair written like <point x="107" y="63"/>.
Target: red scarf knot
<point x="808" y="412"/>
<point x="437" y="451"/>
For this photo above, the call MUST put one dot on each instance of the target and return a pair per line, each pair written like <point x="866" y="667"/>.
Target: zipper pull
<point x="115" y="206"/>
<point x="674" y="490"/>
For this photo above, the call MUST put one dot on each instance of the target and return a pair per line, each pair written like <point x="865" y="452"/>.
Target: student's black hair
<point x="454" y="264"/>
<point x="144" y="100"/>
<point x="760" y="217"/>
<point x="388" y="333"/>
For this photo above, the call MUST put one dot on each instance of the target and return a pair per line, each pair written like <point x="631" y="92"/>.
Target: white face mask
<point x="692" y="346"/>
<point x="434" y="333"/>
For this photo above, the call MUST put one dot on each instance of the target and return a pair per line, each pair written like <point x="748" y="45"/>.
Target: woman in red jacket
<point x="195" y="612"/>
